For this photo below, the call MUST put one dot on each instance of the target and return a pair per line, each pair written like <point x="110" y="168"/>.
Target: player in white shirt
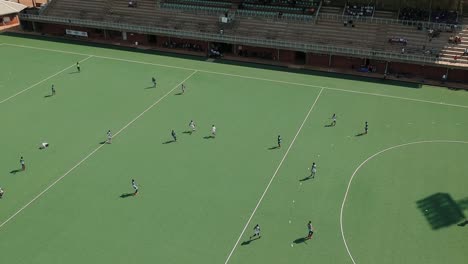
<point x="256" y="232"/>
<point x="1" y="192"/>
<point x="109" y="137"/>
<point x="44" y="145"/>
<point x="135" y="187"/>
<point x="313" y="170"/>
<point x="192" y="125"/>
<point x="213" y="131"/>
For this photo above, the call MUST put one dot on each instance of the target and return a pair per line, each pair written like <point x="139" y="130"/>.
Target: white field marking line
<point x="155" y="103"/>
<point x="363" y="163"/>
<point x="34" y="85"/>
<point x="103" y="57"/>
<point x="273" y="177"/>
<point x="245" y="77"/>
<point x="92" y="152"/>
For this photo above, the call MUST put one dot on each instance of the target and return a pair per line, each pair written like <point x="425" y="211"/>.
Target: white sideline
<point x="34" y="85"/>
<point x="362" y="164"/>
<point x="94" y="151"/>
<point x="245" y="77"/>
<point x="273" y="177"/>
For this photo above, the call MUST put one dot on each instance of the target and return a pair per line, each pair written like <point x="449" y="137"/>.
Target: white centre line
<point x="273" y="177"/>
<point x="94" y="151"/>
<point x="246" y="77"/>
<point x="36" y="84"/>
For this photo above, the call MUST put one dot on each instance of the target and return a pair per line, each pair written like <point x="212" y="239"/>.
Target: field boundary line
<point x="246" y="77"/>
<point x="50" y="77"/>
<point x="363" y="163"/>
<point x="104" y="57"/>
<point x="273" y="177"/>
<point x="94" y="151"/>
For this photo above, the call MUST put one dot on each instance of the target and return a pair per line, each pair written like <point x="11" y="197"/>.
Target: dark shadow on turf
<point x="103" y="142"/>
<point x="125" y="195"/>
<point x="300" y="240"/>
<point x="179" y="94"/>
<point x="464" y="223"/>
<point x="169" y="142"/>
<point x="187" y="132"/>
<point x="74" y="72"/>
<point x="306" y="179"/>
<point x="440" y="210"/>
<point x="15" y="171"/>
<point x="150" y="87"/>
<point x="47" y="96"/>
<point x="360" y="134"/>
<point x="249" y="241"/>
<point x="208" y="137"/>
<point x="272" y="148"/>
<point x="329" y="125"/>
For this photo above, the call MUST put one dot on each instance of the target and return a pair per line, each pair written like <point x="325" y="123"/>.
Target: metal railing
<point x="234" y="39"/>
<point x="387" y="21"/>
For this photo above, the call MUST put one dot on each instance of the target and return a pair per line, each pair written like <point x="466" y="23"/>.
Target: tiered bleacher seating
<point x="206" y="6"/>
<point x="414" y="14"/>
<point x="299" y="10"/>
<point x="444" y="16"/>
<point x="359" y="10"/>
<point x="452" y="50"/>
<point x="77" y="9"/>
<point x="327" y="31"/>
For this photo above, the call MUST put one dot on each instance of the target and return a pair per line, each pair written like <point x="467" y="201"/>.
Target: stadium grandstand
<point x="420" y="39"/>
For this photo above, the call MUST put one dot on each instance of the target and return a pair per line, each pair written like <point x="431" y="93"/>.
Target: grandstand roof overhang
<point x="7" y="7"/>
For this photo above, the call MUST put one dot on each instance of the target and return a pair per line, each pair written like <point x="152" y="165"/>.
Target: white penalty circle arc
<point x="363" y="163"/>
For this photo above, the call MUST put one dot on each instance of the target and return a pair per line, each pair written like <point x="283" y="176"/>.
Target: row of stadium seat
<point x="269" y="14"/>
<point x="208" y="9"/>
<point x="285" y="9"/>
<point x="202" y="2"/>
<point x="286" y="3"/>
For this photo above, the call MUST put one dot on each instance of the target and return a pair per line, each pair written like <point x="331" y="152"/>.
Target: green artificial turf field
<point x="395" y="195"/>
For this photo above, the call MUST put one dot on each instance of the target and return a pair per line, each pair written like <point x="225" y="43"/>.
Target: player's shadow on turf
<point x="15" y="171"/>
<point x="125" y="195"/>
<point x="300" y="240"/>
<point x="103" y="142"/>
<point x="329" y="125"/>
<point x="306" y="179"/>
<point x="360" y="134"/>
<point x="272" y="148"/>
<point x="74" y="72"/>
<point x="169" y="142"/>
<point x="208" y="137"/>
<point x="245" y="243"/>
<point x="464" y="223"/>
<point x="150" y="87"/>
<point x="47" y="96"/>
<point x="179" y="94"/>
<point x="187" y="132"/>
